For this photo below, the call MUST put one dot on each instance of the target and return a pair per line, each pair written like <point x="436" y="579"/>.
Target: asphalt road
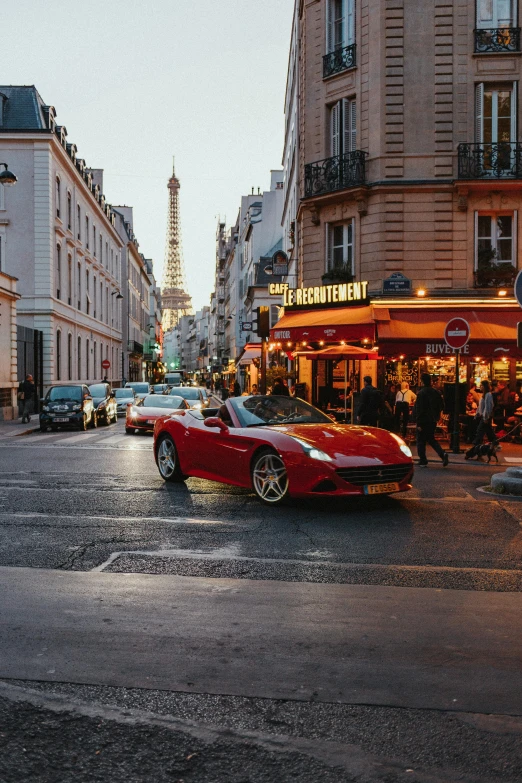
<point x="189" y="633"/>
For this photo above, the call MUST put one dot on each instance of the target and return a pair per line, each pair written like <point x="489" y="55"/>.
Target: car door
<point x="220" y="455"/>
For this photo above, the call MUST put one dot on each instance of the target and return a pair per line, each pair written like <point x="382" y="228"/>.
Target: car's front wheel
<point x="167" y="459"/>
<point x="269" y="477"/>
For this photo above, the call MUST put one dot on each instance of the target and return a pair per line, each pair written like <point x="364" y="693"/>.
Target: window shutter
<point x="328" y="239"/>
<point x="485" y="13"/>
<point x="335" y="128"/>
<point x="350" y="20"/>
<point x="476" y="240"/>
<point x="514" y="234"/>
<point x="329" y="27"/>
<point x="479" y="110"/>
<point x="514" y="103"/>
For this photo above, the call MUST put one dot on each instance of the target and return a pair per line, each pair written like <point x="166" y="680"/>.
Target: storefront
<point x="248" y="365"/>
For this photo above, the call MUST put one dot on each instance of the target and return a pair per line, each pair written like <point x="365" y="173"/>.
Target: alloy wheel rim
<point x="166" y="458"/>
<point x="270" y="478"/>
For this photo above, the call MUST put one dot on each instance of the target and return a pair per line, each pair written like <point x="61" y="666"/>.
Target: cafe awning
<point x="250" y="353"/>
<point x="330" y="324"/>
<point x="420" y="332"/>
<point x="339" y="353"/>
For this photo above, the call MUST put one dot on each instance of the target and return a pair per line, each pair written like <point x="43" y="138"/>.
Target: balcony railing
<point x="339" y="60"/>
<point x="502" y="39"/>
<point x="337" y="173"/>
<point x="491" y="161"/>
<point x="134" y="347"/>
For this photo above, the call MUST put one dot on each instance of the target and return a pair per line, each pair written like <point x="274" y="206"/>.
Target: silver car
<point x="123" y="397"/>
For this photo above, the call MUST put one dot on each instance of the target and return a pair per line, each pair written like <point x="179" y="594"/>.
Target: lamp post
<point x="7" y="177"/>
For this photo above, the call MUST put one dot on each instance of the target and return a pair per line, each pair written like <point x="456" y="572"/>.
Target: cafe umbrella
<point x="341" y="353"/>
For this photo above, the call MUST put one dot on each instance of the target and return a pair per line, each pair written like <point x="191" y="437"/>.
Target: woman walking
<point x="484" y="415"/>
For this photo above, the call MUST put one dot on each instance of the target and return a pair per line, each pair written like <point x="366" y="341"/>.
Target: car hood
<point x="149" y="413"/>
<point x="347" y="445"/>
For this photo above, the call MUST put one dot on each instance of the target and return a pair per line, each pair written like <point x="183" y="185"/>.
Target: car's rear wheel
<point x="269" y="477"/>
<point x="167" y="459"/>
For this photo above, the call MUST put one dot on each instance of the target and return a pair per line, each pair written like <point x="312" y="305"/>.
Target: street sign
<point x="396" y="283"/>
<point x="518" y="288"/>
<point x="456" y="333"/>
<point x="106" y="364"/>
<point x="246" y="326"/>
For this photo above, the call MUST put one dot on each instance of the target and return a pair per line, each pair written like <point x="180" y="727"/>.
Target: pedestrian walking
<point x="26" y="395"/>
<point x="371" y="404"/>
<point x="403" y="400"/>
<point x="237" y="389"/>
<point x="484" y="415"/>
<point x="280" y="388"/>
<point x="428" y="407"/>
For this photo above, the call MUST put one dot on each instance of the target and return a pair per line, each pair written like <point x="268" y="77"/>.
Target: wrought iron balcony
<point x="491" y="161"/>
<point x="134" y="347"/>
<point x="502" y="39"/>
<point x="337" y="173"/>
<point x="339" y="60"/>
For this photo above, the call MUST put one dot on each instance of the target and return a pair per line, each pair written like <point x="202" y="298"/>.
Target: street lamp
<point x="7" y="177"/>
<point x="118" y="294"/>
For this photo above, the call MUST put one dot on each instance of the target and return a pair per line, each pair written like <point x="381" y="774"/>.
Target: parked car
<point x="160" y="388"/>
<point x="104" y="402"/>
<point x="68" y="405"/>
<point x="123" y="397"/>
<point x="281" y="447"/>
<point x="143" y="416"/>
<point x="192" y="395"/>
<point x="140" y="389"/>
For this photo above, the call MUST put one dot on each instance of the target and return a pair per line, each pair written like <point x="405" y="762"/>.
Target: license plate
<point x="60" y="421"/>
<point x="381" y="489"/>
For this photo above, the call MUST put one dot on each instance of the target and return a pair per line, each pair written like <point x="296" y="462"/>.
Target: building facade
<point x="409" y="179"/>
<point x="58" y="238"/>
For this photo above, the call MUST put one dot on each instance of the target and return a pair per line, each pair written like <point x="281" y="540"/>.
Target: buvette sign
<point x="308" y="298"/>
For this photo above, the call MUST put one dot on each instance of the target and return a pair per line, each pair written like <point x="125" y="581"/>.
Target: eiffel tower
<point x="175" y="301"/>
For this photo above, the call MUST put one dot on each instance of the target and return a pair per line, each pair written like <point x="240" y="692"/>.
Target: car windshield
<point x="98" y="390"/>
<point x="159" y="389"/>
<point x="187" y="393"/>
<point x="157" y="401"/>
<point x="260" y="411"/>
<point x="126" y="394"/>
<point x="139" y="388"/>
<point x="65" y="393"/>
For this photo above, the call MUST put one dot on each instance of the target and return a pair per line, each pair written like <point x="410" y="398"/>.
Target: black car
<point x="68" y="406"/>
<point x="104" y="402"/>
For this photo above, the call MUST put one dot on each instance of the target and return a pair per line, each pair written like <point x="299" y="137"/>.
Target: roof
<point x="23" y="109"/>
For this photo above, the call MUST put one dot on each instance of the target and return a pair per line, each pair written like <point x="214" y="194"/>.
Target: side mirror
<point x="214" y="421"/>
<point x="86" y="397"/>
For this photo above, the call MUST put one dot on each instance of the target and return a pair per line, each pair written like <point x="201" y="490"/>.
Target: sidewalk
<point x="15" y="427"/>
<point x="509" y="455"/>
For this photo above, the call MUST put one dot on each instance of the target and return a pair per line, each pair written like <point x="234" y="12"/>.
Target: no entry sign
<point x="106" y="364"/>
<point x="456" y="333"/>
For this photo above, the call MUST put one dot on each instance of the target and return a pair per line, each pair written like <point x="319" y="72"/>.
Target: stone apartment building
<point x="58" y="237"/>
<point x="409" y="178"/>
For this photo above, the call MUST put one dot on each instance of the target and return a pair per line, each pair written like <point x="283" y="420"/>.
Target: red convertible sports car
<point x="280" y="447"/>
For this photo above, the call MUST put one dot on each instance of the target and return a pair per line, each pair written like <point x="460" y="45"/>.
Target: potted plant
<point x="491" y="273"/>
<point x="338" y="274"/>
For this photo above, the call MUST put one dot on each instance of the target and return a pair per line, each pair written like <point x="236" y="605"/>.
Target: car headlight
<point x="77" y="407"/>
<point x="312" y="452"/>
<point x="133" y="413"/>
<point x="45" y="408"/>
<point x="402" y="445"/>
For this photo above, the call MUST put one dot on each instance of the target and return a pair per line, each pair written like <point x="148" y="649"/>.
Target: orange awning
<point x="333" y="324"/>
<point x="340" y="352"/>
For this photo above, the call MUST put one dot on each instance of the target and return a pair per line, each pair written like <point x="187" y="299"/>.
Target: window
<point x="58" y="271"/>
<point x="69" y="278"/>
<point x="340" y="24"/>
<point x="87" y="231"/>
<point x="101" y="301"/>
<point x="343" y="127"/>
<point x="59" y="355"/>
<point x="492" y="14"/>
<point x="79" y="286"/>
<point x="69" y="357"/>
<point x="107" y="255"/>
<point x="87" y="294"/>
<point x="58" y="196"/>
<point x="340" y="247"/>
<point x="79" y="221"/>
<point x="87" y="358"/>
<point x="95" y="297"/>
<point x="495" y="113"/>
<point x="79" y="358"/>
<point x="69" y="210"/>
<point x="94" y="368"/>
<point x="107" y="304"/>
<point x="494" y="239"/>
<point x="94" y="241"/>
<point x="101" y="249"/>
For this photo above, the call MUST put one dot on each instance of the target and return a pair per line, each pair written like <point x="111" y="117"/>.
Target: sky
<point x="136" y="83"/>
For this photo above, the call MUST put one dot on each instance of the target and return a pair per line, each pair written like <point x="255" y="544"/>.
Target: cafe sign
<point x="320" y="296"/>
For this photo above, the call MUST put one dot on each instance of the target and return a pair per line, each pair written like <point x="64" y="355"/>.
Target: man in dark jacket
<point x="371" y="403"/>
<point x="428" y="407"/>
<point x="27" y="390"/>
<point x="280" y="388"/>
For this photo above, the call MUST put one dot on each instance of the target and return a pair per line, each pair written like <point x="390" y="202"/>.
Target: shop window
<point x="495" y="249"/>
<point x="340" y="248"/>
